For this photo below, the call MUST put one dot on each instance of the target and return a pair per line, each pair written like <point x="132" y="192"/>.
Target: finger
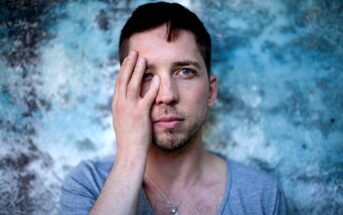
<point x="136" y="79"/>
<point x="125" y="73"/>
<point x="150" y="96"/>
<point x="115" y="91"/>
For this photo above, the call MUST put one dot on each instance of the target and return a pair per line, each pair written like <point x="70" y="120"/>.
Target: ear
<point x="213" y="91"/>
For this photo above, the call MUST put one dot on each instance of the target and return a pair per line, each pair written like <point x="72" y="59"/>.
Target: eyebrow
<point x="188" y="63"/>
<point x="178" y="64"/>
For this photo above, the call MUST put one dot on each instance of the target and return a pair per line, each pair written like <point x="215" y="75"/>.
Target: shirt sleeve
<point x="79" y="190"/>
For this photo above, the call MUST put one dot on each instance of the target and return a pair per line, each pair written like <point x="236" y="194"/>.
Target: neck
<point x="174" y="171"/>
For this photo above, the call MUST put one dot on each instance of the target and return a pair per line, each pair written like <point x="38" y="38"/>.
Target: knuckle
<point x="114" y="102"/>
<point x="131" y="90"/>
<point x="116" y="106"/>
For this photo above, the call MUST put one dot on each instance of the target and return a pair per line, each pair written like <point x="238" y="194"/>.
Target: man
<point x="162" y="95"/>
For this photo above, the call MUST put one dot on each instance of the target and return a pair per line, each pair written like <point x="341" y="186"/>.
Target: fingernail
<point x="155" y="79"/>
<point x="141" y="61"/>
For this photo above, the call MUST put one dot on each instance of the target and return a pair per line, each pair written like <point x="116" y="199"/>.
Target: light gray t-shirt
<point x="247" y="191"/>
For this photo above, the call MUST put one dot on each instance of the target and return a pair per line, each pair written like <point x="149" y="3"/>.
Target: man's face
<point x="185" y="92"/>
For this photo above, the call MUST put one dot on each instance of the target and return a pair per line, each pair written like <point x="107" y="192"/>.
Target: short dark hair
<point x="176" y="16"/>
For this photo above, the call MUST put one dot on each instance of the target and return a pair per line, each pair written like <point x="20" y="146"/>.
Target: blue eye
<point x="186" y="72"/>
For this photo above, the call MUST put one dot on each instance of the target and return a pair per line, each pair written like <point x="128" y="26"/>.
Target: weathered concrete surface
<point x="279" y="107"/>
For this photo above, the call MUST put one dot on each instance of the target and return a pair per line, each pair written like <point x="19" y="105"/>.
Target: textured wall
<point x="280" y="103"/>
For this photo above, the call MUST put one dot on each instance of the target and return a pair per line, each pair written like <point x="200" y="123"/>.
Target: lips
<point x="168" y="122"/>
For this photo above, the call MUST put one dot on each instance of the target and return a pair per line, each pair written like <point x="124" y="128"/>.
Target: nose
<point x="167" y="93"/>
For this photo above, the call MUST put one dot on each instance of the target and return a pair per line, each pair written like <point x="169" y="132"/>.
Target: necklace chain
<point x="173" y="207"/>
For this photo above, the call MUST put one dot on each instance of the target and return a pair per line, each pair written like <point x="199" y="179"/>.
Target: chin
<point x="171" y="146"/>
<point x="172" y="141"/>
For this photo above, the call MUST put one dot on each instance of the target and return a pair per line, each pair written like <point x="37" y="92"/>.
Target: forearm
<point x="133" y="128"/>
<point x="121" y="189"/>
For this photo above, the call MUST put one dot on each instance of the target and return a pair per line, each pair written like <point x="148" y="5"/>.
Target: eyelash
<point x="192" y="71"/>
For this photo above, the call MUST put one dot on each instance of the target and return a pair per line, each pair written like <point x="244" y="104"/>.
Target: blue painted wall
<point x="279" y="109"/>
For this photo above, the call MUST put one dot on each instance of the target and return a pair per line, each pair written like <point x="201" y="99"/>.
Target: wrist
<point x="131" y="158"/>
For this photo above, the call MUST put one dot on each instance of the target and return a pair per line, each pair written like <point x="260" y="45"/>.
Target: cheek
<point x="197" y="90"/>
<point x="197" y="107"/>
<point x="196" y="96"/>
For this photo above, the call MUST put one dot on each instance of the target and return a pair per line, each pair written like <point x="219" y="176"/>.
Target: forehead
<point x="153" y="45"/>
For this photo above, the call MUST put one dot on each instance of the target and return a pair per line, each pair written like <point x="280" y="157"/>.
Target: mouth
<point x="168" y="122"/>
